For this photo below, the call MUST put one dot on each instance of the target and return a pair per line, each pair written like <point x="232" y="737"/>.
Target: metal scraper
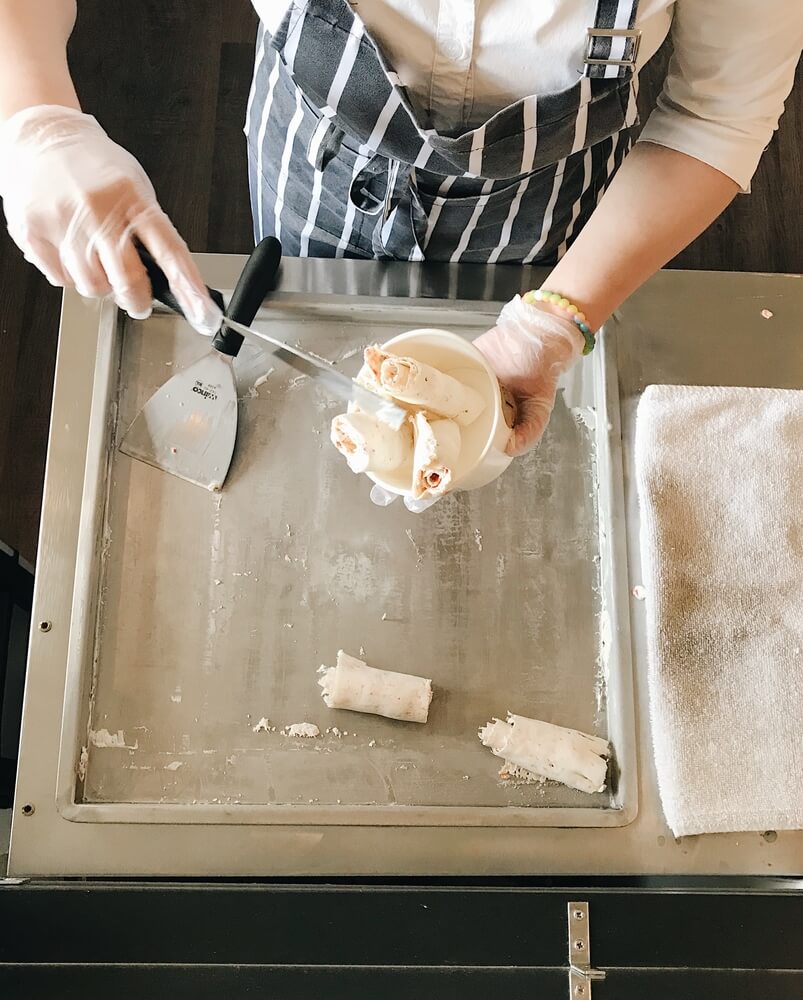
<point x="189" y="426"/>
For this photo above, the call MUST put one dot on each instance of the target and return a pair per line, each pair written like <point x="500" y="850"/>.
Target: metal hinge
<point x="581" y="974"/>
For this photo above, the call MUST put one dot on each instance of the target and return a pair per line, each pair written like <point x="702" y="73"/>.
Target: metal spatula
<point x="325" y="374"/>
<point x="189" y="426"/>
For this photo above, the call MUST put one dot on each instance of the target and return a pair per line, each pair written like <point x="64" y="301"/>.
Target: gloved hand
<point x="74" y="199"/>
<point x="529" y="349"/>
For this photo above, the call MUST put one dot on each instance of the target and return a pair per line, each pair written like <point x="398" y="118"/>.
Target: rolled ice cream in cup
<point x="481" y="457"/>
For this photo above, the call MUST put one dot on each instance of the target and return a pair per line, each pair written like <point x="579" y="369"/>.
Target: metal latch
<point x="581" y="975"/>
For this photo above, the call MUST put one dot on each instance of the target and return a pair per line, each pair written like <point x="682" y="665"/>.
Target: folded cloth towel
<point x="720" y="481"/>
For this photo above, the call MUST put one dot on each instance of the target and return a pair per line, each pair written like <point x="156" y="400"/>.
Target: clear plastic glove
<point x="529" y="349"/>
<point x="74" y="199"/>
<point x="384" y="498"/>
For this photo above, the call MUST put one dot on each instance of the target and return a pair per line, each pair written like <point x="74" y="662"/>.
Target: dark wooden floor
<point x="169" y="79"/>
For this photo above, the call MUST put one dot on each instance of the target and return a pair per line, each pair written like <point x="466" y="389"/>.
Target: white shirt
<point x="463" y="60"/>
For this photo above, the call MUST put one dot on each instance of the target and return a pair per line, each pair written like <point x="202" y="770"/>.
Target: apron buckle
<point x="631" y="35"/>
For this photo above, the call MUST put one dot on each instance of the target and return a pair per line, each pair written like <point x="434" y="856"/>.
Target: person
<point x="494" y="131"/>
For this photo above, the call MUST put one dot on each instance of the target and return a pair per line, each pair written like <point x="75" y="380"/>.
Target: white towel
<point x="720" y="481"/>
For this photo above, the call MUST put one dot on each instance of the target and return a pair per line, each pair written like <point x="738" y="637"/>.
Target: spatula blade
<point x="189" y="426"/>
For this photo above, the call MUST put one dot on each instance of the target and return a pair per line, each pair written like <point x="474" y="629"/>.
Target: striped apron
<point x="340" y="166"/>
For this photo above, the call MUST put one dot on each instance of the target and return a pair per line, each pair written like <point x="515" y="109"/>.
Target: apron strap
<point x="612" y="44"/>
<point x="383" y="187"/>
<point x="379" y="185"/>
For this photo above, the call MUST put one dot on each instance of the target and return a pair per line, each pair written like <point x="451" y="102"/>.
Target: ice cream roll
<point x="369" y="444"/>
<point x="435" y="452"/>
<point x="354" y="686"/>
<point x="566" y="755"/>
<point x="419" y="384"/>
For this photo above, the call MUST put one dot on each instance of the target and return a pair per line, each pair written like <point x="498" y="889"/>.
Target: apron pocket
<point x="313" y="220"/>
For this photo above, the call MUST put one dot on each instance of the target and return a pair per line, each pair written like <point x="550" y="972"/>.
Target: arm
<point x="732" y="68"/>
<point x="74" y="200"/>
<point x="33" y="54"/>
<point x="657" y="204"/>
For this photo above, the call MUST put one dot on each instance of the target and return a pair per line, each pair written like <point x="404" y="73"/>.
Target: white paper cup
<point x="482" y="449"/>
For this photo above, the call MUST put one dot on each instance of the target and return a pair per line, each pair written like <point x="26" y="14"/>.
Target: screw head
<point x="28" y="809"/>
<point x="579" y="946"/>
<point x="579" y="990"/>
<point x="578" y="914"/>
<point x="45" y="626"/>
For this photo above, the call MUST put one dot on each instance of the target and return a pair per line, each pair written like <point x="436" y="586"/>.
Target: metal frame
<point x="662" y="318"/>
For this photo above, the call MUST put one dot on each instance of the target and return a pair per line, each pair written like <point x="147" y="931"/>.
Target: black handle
<point x="256" y="281"/>
<point x="160" y="286"/>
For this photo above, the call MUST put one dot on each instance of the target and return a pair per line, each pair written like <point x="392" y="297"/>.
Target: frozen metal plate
<point x="198" y="614"/>
<point x="659" y="336"/>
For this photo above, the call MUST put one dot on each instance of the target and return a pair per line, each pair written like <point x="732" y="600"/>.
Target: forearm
<point x="656" y="205"/>
<point x="33" y="54"/>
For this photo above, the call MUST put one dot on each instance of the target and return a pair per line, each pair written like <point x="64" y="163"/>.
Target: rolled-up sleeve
<point x="732" y="69"/>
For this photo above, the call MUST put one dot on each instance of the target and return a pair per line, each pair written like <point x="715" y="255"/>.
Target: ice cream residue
<point x="103" y="738"/>
<point x="305" y="730"/>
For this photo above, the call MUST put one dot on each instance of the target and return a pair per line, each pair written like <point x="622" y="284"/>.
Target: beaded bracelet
<point x="567" y="307"/>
